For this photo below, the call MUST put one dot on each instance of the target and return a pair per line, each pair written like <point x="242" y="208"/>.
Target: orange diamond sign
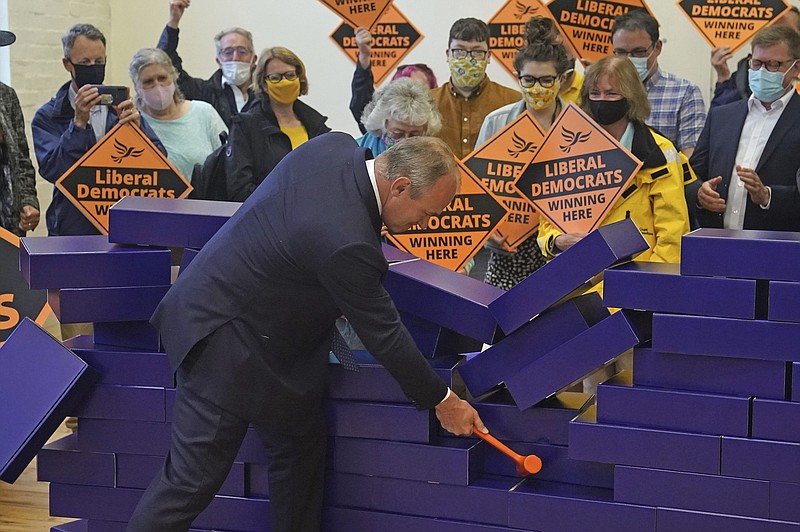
<point x="358" y="12"/>
<point x="578" y="173"/>
<point x="17" y="300"/>
<point x="393" y="37"/>
<point x="498" y="163"/>
<point x="507" y="29"/>
<point x="586" y="24"/>
<point x="123" y="163"/>
<point x="731" y="25"/>
<point x="456" y="235"/>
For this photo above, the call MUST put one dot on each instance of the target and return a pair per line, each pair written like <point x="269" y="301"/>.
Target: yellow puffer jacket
<point x="655" y="199"/>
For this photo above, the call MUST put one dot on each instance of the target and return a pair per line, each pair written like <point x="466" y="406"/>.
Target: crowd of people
<point x="736" y="168"/>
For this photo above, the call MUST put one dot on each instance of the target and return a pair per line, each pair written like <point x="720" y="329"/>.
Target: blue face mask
<point x="767" y="86"/>
<point x="641" y="66"/>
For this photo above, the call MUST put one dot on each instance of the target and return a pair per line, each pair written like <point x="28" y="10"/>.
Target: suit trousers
<point x="206" y="438"/>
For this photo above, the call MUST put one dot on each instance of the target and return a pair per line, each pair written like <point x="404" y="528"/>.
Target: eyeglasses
<point x="638" y="52"/>
<point x="460" y="53"/>
<point x="772" y="66"/>
<point x="228" y="53"/>
<point x="543" y="81"/>
<point x="275" y="78"/>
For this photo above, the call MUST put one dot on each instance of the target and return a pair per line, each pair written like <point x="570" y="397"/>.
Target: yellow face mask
<point x="538" y="97"/>
<point x="285" y="91"/>
<point x="468" y="72"/>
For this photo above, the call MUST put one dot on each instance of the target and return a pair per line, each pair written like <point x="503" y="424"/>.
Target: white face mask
<point x="159" y="97"/>
<point x="641" y="66"/>
<point x="236" y="72"/>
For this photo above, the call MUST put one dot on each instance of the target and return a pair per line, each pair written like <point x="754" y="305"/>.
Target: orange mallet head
<point x="526" y="465"/>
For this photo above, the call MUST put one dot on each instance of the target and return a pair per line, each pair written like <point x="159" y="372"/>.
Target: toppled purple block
<point x="41" y="381"/>
<point x="167" y="222"/>
<point x="436" y="341"/>
<point x="394" y="254"/>
<point x="659" y="287"/>
<point x="120" y="303"/>
<point x="772" y="255"/>
<point x="783" y="298"/>
<point x="90" y="261"/>
<point x="568" y="274"/>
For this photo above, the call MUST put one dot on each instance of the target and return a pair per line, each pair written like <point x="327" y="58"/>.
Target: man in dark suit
<point x="248" y="325"/>
<point x="750" y="183"/>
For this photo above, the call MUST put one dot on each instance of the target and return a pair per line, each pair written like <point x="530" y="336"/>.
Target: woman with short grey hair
<point x="400" y="110"/>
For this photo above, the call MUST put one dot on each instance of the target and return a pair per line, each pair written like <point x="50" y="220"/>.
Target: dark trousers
<point x="205" y="441"/>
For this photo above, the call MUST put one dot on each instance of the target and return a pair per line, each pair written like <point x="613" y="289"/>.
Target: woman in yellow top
<point x="615" y="98"/>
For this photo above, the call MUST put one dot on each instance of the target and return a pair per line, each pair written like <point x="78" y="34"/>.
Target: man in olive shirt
<point x="469" y="96"/>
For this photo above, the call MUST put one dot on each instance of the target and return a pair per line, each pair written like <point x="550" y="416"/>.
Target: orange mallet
<point x="526" y="465"/>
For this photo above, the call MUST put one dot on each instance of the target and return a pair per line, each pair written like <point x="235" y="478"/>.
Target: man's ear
<point x="658" y="46"/>
<point x="67" y="65"/>
<point x="400" y="185"/>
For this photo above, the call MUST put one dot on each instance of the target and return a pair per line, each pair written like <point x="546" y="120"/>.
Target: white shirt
<point x="97" y="116"/>
<point x="756" y="131"/>
<point x="237" y="94"/>
<point x="371" y="171"/>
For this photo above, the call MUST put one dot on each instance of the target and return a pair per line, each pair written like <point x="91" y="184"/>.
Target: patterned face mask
<point x="388" y="141"/>
<point x="538" y="97"/>
<point x="468" y="72"/>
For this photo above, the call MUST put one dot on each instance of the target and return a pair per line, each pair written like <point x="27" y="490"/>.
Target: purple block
<point x="435" y="341"/>
<point x="394" y="254"/>
<point x="379" y="421"/>
<point x="41" y="381"/>
<point x="783" y="499"/>
<point x="90" y="262"/>
<point x="795" y="379"/>
<point x="577" y="357"/>
<point x="61" y="462"/>
<point x="188" y="256"/>
<point x="547" y="422"/>
<point x="133" y="403"/>
<point x="552" y="507"/>
<point x="483" y="501"/>
<point x="615" y="444"/>
<point x="567" y="274"/>
<point x="506" y="358"/>
<point x="444" y="297"/>
<point x="700" y="335"/>
<point x="350" y="520"/>
<point x="125" y="303"/>
<point x="729" y="376"/>
<point x="137" y="471"/>
<point x="659" y="287"/>
<point x="256" y="479"/>
<point x="252" y="450"/>
<point x="123" y="436"/>
<point x="770" y="255"/>
<point x="72" y="526"/>
<point x="449" y="461"/>
<point x="374" y="383"/>
<point x="760" y="459"/>
<point x="169" y="402"/>
<point x="672" y="520"/>
<point x="167" y="222"/>
<point x="557" y="466"/>
<point x="131" y="334"/>
<point x="119" y="365"/>
<point x="783" y="298"/>
<point x="776" y="420"/>
<point x="691" y="491"/>
<point x="95" y="525"/>
<point x="619" y="403"/>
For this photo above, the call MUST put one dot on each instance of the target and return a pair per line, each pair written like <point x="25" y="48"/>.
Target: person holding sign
<point x="249" y="326"/>
<point x="190" y="130"/>
<point x="748" y="152"/>
<point x="541" y="69"/>
<point x="279" y="123"/>
<point x="613" y="95"/>
<point x="67" y="126"/>
<point x="400" y="110"/>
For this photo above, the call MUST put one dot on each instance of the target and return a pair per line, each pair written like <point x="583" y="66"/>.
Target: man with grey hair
<point x="249" y="333"/>
<point x="229" y="89"/>
<point x="67" y="126"/>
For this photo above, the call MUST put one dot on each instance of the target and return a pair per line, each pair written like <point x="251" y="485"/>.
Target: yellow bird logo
<point x="521" y="145"/>
<point x="524" y="10"/>
<point x="572" y="138"/>
<point x="123" y="152"/>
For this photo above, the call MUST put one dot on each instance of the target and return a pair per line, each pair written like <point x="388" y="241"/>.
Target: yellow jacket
<point x="655" y="199"/>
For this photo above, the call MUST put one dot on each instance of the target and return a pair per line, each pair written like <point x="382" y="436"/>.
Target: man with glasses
<point x="469" y="96"/>
<point x="750" y="184"/>
<point x="229" y="89"/>
<point x="677" y="110"/>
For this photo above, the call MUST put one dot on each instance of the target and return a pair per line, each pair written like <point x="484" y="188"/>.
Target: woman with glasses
<point x="401" y="109"/>
<point x="541" y="68"/>
<point x="189" y="129"/>
<point x="276" y="125"/>
<point x="615" y="98"/>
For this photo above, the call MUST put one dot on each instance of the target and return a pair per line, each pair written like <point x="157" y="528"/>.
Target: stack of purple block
<point x="707" y="429"/>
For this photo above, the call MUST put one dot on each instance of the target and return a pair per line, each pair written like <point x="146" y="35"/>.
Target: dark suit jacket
<point x="715" y="155"/>
<point x="302" y="250"/>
